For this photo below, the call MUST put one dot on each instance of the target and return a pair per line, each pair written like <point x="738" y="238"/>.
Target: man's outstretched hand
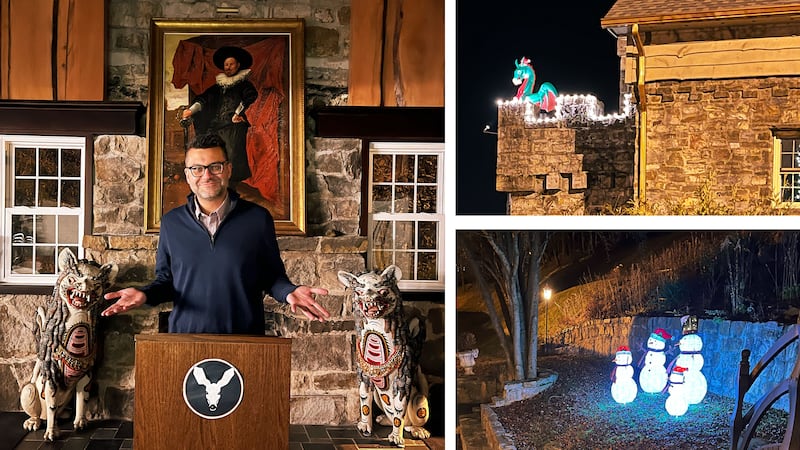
<point x="127" y="299"/>
<point x="302" y="298"/>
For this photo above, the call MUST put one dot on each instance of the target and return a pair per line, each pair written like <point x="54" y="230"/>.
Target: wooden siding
<point x="741" y="58"/>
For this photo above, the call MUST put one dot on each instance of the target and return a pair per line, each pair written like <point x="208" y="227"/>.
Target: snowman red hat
<point x="661" y="334"/>
<point x="677" y="375"/>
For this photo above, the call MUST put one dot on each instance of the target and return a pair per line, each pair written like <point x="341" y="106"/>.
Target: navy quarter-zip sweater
<point x="217" y="284"/>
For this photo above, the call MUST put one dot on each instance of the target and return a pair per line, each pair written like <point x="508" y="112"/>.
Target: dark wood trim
<point x="424" y="296"/>
<point x="48" y="118"/>
<point x="422" y="124"/>
<point x="26" y="289"/>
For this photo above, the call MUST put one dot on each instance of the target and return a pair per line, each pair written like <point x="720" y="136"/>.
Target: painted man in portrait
<point x="222" y="108"/>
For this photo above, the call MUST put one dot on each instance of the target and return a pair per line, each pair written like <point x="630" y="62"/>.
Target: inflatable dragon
<point x="525" y="78"/>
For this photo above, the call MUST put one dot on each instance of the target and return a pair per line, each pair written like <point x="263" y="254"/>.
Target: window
<point x="405" y="212"/>
<point x="787" y="166"/>
<point x="44" y="200"/>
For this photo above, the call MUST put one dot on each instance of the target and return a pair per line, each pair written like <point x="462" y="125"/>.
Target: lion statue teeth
<point x="388" y="347"/>
<point x="67" y="343"/>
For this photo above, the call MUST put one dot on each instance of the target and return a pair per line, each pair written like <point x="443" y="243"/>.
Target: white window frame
<point x="780" y="173"/>
<point x="408" y="281"/>
<point x="9" y="143"/>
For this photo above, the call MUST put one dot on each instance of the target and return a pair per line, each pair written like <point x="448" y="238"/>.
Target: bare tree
<point x="506" y="266"/>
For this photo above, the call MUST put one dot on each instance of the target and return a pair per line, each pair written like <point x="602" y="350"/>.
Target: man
<point x="221" y="109"/>
<point x="217" y="257"/>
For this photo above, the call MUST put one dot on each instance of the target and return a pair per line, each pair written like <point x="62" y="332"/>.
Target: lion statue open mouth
<point x="67" y="343"/>
<point x="388" y="348"/>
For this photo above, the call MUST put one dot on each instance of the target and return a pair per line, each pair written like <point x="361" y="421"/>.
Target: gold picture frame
<point x="182" y="66"/>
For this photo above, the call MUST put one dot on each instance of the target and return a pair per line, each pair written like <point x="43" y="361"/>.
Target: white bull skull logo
<point x="213" y="389"/>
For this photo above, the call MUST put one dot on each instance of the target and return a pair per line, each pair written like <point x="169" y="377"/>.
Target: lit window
<point x="44" y="205"/>
<point x="406" y="218"/>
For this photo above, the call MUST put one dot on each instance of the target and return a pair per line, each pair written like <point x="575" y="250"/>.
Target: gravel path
<point x="578" y="412"/>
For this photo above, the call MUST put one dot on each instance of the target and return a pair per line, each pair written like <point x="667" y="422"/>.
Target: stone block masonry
<point x="555" y="168"/>
<point x="717" y="134"/>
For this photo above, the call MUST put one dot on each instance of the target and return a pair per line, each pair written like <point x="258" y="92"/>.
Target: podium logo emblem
<point x="213" y="388"/>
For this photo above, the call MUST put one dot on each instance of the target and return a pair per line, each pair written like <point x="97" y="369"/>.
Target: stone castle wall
<point x="709" y="149"/>
<point x="561" y="168"/>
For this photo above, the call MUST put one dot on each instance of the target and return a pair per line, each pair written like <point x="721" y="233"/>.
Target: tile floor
<point x="118" y="435"/>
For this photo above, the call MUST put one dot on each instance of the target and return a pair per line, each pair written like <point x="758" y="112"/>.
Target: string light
<point x="572" y="109"/>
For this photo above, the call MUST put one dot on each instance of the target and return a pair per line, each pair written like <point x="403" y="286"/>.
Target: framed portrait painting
<point x="243" y="80"/>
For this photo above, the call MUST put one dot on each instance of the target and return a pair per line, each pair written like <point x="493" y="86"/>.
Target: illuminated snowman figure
<point x="623" y="388"/>
<point x="695" y="384"/>
<point x="676" y="404"/>
<point x="653" y="377"/>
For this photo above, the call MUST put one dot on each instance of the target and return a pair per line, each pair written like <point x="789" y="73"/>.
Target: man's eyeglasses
<point x="215" y="168"/>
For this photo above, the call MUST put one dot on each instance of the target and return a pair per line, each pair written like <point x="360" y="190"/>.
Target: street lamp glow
<point x="546" y="294"/>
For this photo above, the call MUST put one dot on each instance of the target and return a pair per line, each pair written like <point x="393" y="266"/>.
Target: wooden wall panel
<point x="735" y="58"/>
<point x="30" y="44"/>
<point x="52" y="49"/>
<point x="709" y="60"/>
<point x="162" y="419"/>
<point x="397" y="58"/>
<point x="81" y="50"/>
<point x="418" y="57"/>
<point x="366" y="50"/>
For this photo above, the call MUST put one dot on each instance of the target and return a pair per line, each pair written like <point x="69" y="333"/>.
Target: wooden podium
<point x="204" y="391"/>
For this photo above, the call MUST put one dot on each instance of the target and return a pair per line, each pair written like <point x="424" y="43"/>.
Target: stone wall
<point x="723" y="342"/>
<point x="709" y="150"/>
<point x="327" y="41"/>
<point x="716" y="133"/>
<point x="561" y="168"/>
<point x="323" y="387"/>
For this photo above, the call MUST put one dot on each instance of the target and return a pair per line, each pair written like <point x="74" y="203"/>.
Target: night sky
<point x="566" y="46"/>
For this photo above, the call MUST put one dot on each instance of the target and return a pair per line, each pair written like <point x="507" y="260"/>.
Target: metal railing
<point x="744" y="425"/>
